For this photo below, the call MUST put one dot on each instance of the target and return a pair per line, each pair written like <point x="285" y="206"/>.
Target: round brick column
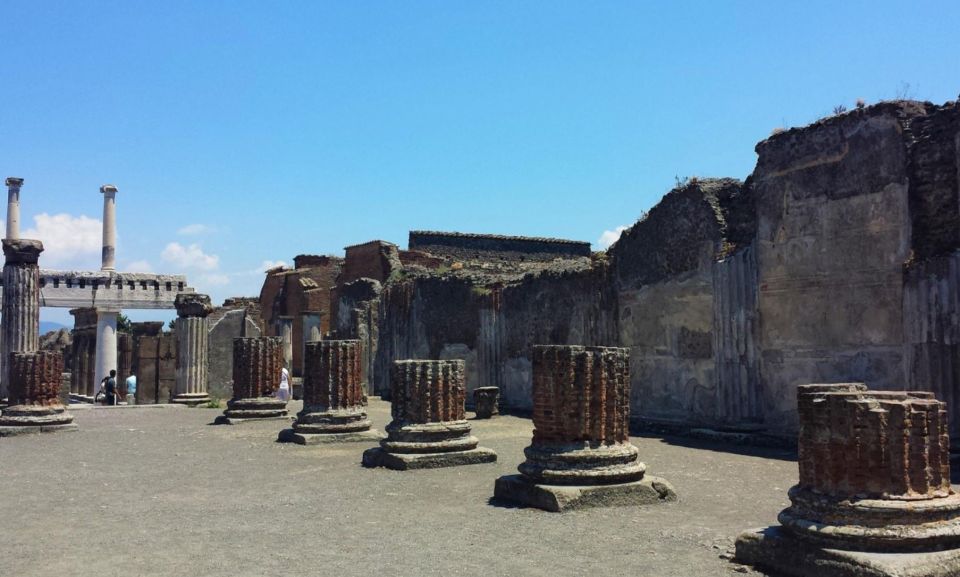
<point x="334" y="406"/>
<point x="874" y="471"/>
<point x="35" y="403"/>
<point x="581" y="417"/>
<point x="429" y="427"/>
<point x="257" y="362"/>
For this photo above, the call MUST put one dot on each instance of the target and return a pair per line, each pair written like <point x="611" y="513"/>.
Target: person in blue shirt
<point x="132" y="390"/>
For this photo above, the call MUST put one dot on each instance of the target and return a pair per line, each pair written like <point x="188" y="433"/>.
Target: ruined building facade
<point x="835" y="260"/>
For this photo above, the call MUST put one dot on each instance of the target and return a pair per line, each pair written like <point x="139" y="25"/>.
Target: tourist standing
<point x="283" y="393"/>
<point x="132" y="390"/>
<point x="109" y="387"/>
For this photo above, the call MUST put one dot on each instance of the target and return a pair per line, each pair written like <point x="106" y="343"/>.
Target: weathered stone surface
<point x="35" y="384"/>
<point x="486" y="402"/>
<point x="581" y="416"/>
<point x="257" y="362"/>
<point x="429" y="428"/>
<point x="20" y="329"/>
<point x="333" y="399"/>
<point x="874" y="478"/>
<point x="192" y="348"/>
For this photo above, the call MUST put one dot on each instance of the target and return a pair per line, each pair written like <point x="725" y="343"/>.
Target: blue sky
<point x="244" y="133"/>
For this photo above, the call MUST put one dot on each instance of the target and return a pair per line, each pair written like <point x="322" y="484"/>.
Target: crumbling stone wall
<point x="479" y="246"/>
<point x="283" y="295"/>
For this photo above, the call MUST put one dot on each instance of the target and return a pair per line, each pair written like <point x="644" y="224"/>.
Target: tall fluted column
<point x="106" y="344"/>
<point x="256" y="377"/>
<point x="581" y="455"/>
<point x="35" y="404"/>
<point x="333" y="400"/>
<point x="192" y="347"/>
<point x="109" y="253"/>
<point x="21" y="303"/>
<point x="429" y="428"/>
<point x="874" y="477"/>
<point x="13" y="207"/>
<point x="285" y="332"/>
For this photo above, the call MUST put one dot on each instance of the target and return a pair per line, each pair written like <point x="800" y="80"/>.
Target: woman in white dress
<point x="283" y="393"/>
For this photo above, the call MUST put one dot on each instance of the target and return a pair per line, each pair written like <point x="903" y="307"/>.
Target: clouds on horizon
<point x="610" y="236"/>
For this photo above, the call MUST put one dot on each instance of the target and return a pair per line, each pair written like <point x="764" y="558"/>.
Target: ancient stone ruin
<point x="874" y="494"/>
<point x="21" y="303"/>
<point x="486" y="402"/>
<point x="34" y="402"/>
<point x="429" y="428"/>
<point x="257" y="362"/>
<point x="334" y="405"/>
<point x="581" y="455"/>
<point x="192" y="348"/>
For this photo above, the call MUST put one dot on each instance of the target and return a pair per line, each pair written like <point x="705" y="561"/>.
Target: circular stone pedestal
<point x="23" y="419"/>
<point x="240" y="410"/>
<point x="316" y="427"/>
<point x="428" y="446"/>
<point x="191" y="399"/>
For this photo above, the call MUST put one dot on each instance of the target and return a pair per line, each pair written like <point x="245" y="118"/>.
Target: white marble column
<point x="285" y="331"/>
<point x="192" y="348"/>
<point x="106" y="344"/>
<point x="13" y="207"/>
<point x="109" y="228"/>
<point x="310" y="321"/>
<point x="20" y="329"/>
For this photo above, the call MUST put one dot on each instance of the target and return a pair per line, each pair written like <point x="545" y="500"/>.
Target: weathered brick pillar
<point x="21" y="303"/>
<point x="581" y="453"/>
<point x="192" y="346"/>
<point x="334" y="406"/>
<point x="874" y="477"/>
<point x="257" y="362"/>
<point x="35" y="404"/>
<point x="429" y="428"/>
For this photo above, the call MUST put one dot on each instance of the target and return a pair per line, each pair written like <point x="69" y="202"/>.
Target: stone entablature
<point x="110" y="290"/>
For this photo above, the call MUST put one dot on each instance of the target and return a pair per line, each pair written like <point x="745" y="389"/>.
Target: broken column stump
<point x="874" y="495"/>
<point x="257" y="362"/>
<point x="333" y="401"/>
<point x="581" y="455"/>
<point x="486" y="401"/>
<point x="429" y="429"/>
<point x="35" y="404"/>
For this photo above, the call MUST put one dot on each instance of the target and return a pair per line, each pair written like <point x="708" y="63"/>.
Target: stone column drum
<point x="20" y="327"/>
<point x="192" y="346"/>
<point x="256" y="377"/>
<point x="35" y="403"/>
<point x="334" y="406"/>
<point x="581" y="455"/>
<point x="874" y="495"/>
<point x="486" y="401"/>
<point x="429" y="428"/>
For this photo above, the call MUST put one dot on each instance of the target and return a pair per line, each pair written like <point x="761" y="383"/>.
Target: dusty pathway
<point x="159" y="492"/>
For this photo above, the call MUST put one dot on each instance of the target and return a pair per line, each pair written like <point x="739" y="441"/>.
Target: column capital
<point x="14" y="182"/>
<point x="107" y="311"/>
<point x="193" y="305"/>
<point x="108" y="188"/>
<point x="22" y="250"/>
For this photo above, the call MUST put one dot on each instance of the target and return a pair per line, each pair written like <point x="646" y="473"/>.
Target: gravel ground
<point x="157" y="491"/>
